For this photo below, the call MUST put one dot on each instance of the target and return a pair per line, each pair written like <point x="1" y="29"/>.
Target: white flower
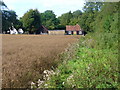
<point x="32" y="83"/>
<point x="40" y="83"/>
<point x="48" y="74"/>
<point x="45" y="71"/>
<point x="70" y="77"/>
<point x="63" y="83"/>
<point x="46" y="85"/>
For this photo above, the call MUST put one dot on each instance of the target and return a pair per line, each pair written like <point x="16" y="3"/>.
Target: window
<point x="69" y="32"/>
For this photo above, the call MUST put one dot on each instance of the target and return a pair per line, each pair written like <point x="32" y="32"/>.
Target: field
<point x="25" y="57"/>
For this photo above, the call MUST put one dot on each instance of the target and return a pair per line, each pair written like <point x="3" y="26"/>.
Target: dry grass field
<point x="25" y="57"/>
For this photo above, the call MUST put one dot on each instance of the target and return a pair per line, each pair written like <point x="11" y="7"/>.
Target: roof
<point x="73" y="28"/>
<point x="44" y="29"/>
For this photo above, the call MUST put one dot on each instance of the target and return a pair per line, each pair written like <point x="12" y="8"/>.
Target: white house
<point x="20" y="31"/>
<point x="13" y="31"/>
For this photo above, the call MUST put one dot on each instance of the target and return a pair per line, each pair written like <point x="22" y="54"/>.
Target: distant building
<point x="56" y="32"/>
<point x="20" y="31"/>
<point x="13" y="30"/>
<point x="70" y="30"/>
<point x="74" y="30"/>
<point x="42" y="30"/>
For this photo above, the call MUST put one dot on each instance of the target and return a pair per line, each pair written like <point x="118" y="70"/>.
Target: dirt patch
<point x="25" y="57"/>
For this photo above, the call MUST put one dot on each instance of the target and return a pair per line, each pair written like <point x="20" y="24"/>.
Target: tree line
<point x="87" y="19"/>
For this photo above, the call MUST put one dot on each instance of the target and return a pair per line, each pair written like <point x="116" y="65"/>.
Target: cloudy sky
<point x="58" y="6"/>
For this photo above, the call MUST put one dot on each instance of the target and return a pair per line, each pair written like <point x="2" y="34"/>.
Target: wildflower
<point x="46" y="85"/>
<point x="77" y="57"/>
<point x="71" y="81"/>
<point x="88" y="68"/>
<point x="32" y="84"/>
<point x="70" y="77"/>
<point x="40" y="83"/>
<point x="45" y="71"/>
<point x="63" y="83"/>
<point x="48" y="74"/>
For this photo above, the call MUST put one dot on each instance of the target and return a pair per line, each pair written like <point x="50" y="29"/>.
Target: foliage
<point x="108" y="18"/>
<point x="18" y="24"/>
<point x="92" y="6"/>
<point x="8" y="18"/>
<point x="60" y="27"/>
<point x="95" y="65"/>
<point x="49" y="19"/>
<point x="95" y="62"/>
<point x="2" y="4"/>
<point x="32" y="20"/>
<point x="65" y="18"/>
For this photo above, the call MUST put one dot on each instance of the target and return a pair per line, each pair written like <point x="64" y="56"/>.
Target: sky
<point x="58" y="6"/>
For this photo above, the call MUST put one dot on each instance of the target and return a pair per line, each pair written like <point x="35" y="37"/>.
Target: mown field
<point x="25" y="57"/>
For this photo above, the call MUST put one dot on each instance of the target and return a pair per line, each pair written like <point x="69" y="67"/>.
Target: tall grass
<point x="94" y="65"/>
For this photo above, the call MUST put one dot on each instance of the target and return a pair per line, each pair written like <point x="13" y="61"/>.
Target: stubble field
<point x="25" y="57"/>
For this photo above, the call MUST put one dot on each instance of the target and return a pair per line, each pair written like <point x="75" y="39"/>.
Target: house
<point x="20" y="31"/>
<point x="13" y="30"/>
<point x="42" y="30"/>
<point x="56" y="32"/>
<point x="74" y="30"/>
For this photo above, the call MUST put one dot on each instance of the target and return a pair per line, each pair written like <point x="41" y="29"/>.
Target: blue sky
<point x="58" y="6"/>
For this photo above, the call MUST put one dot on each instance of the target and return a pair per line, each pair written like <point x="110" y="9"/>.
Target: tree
<point x="107" y="18"/>
<point x="49" y="19"/>
<point x="2" y="4"/>
<point x="65" y="18"/>
<point x="9" y="17"/>
<point x="32" y="21"/>
<point x="19" y="24"/>
<point x="92" y="6"/>
<point x="75" y="17"/>
<point x="77" y="13"/>
<point x="87" y="19"/>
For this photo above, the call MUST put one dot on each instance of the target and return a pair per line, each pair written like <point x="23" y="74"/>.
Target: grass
<point x="93" y="65"/>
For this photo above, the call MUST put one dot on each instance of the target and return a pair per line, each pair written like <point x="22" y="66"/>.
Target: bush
<point x="95" y="65"/>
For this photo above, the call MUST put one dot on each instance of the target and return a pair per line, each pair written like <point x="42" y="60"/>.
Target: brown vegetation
<point x="25" y="57"/>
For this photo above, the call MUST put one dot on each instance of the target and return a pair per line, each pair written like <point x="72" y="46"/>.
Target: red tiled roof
<point x="77" y="27"/>
<point x="70" y="28"/>
<point x="73" y="28"/>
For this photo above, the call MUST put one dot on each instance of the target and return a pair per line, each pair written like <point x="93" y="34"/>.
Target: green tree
<point x="19" y="24"/>
<point x="76" y="17"/>
<point x="2" y="4"/>
<point x="92" y="6"/>
<point x="32" y="21"/>
<point x="77" y="13"/>
<point x="89" y="15"/>
<point x="107" y="18"/>
<point x="9" y="17"/>
<point x="65" y="18"/>
<point x="49" y="19"/>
